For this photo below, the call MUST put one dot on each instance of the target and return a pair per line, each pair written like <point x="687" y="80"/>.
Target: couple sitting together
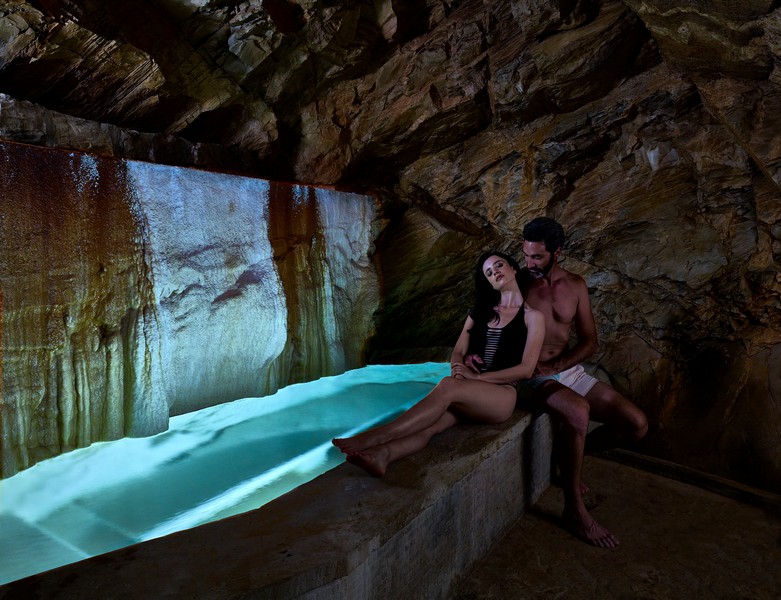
<point x="517" y="333"/>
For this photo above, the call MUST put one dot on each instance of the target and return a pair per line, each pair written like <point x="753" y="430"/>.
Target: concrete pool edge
<point x="342" y="535"/>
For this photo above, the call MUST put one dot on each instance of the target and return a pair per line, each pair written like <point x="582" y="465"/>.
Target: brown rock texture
<point x="651" y="129"/>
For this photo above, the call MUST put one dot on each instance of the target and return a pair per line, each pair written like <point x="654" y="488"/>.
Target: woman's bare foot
<point x="358" y="443"/>
<point x="374" y="460"/>
<point x="591" y="532"/>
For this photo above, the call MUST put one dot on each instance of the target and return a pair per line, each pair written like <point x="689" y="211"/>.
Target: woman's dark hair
<point x="486" y="297"/>
<point x="545" y="229"/>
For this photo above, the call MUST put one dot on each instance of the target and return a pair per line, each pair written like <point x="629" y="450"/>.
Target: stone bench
<point x="342" y="535"/>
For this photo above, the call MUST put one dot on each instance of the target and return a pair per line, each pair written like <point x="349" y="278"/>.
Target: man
<point x="561" y="385"/>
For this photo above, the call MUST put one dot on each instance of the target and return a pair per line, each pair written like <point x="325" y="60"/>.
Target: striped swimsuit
<point x="492" y="335"/>
<point x="499" y="347"/>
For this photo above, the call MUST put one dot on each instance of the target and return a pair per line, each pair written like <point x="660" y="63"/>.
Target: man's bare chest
<point x="558" y="305"/>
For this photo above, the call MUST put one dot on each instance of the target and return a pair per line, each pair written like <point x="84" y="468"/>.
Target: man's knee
<point x="634" y="418"/>
<point x="612" y="407"/>
<point x="570" y="408"/>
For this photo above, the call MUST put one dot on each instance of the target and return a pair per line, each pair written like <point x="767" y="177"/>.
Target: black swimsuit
<point x="499" y="347"/>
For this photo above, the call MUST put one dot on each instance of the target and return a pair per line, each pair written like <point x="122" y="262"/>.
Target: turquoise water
<point x="210" y="464"/>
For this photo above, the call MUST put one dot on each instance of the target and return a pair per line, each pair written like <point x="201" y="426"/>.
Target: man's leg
<point x="572" y="410"/>
<point x="623" y="422"/>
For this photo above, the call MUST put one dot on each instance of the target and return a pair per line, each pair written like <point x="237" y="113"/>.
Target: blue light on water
<point x="210" y="464"/>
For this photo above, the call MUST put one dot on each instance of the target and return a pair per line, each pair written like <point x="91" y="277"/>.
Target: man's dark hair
<point x="544" y="229"/>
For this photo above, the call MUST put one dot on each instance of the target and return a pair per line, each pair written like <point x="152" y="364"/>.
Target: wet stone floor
<point x="678" y="542"/>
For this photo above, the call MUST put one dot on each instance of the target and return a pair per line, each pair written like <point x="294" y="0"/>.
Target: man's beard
<point x="540" y="273"/>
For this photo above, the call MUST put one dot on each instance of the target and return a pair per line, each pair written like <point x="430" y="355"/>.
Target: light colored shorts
<point x="575" y="378"/>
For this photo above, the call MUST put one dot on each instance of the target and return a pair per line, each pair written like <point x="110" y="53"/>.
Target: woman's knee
<point x="447" y="384"/>
<point x="445" y="390"/>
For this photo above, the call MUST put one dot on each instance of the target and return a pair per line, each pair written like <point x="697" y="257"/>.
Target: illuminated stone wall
<point x="133" y="291"/>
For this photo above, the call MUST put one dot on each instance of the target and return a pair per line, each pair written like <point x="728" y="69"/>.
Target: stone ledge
<point x="342" y="535"/>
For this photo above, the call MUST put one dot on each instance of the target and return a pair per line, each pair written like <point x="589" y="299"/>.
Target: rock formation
<point x="651" y="129"/>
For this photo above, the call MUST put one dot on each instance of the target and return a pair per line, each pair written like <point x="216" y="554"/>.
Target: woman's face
<point x="498" y="272"/>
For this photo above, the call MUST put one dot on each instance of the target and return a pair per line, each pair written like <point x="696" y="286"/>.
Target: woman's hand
<point x="474" y="362"/>
<point x="460" y="371"/>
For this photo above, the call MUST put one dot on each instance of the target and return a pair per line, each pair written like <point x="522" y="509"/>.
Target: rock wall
<point x="333" y="305"/>
<point x="77" y="307"/>
<point x="134" y="291"/>
<point x="650" y="129"/>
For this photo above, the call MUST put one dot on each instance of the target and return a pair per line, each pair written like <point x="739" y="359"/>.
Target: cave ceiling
<point x="322" y="92"/>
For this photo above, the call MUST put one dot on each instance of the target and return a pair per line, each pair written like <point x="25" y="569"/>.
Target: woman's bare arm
<point x="462" y="344"/>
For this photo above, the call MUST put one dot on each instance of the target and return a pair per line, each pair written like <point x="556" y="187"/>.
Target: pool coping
<point x="342" y="535"/>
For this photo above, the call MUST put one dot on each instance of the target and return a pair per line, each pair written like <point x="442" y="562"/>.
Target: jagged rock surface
<point x="651" y="129"/>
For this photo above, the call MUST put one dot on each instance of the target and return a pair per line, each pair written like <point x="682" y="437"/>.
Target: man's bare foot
<point x="374" y="460"/>
<point x="591" y="532"/>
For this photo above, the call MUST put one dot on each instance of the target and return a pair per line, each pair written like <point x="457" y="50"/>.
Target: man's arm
<point x="586" y="331"/>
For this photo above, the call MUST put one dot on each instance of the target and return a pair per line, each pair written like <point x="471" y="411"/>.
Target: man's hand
<point x="545" y="368"/>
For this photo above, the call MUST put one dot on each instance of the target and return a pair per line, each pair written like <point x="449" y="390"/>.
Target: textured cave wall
<point x="651" y="129"/>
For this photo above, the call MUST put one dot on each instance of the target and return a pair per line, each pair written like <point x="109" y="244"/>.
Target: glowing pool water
<point x="210" y="464"/>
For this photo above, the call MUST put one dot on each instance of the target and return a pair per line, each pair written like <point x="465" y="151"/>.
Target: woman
<point x="505" y="332"/>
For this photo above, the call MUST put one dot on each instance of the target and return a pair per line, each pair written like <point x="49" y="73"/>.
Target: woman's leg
<point x="375" y="460"/>
<point x="474" y="400"/>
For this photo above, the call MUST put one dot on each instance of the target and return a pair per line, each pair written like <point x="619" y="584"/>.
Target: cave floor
<point x="677" y="541"/>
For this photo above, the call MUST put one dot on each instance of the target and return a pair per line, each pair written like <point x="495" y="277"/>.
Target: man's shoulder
<point x="570" y="278"/>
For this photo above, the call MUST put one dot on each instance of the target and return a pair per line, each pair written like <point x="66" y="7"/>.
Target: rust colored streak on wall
<point x="297" y="240"/>
<point x="71" y="274"/>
